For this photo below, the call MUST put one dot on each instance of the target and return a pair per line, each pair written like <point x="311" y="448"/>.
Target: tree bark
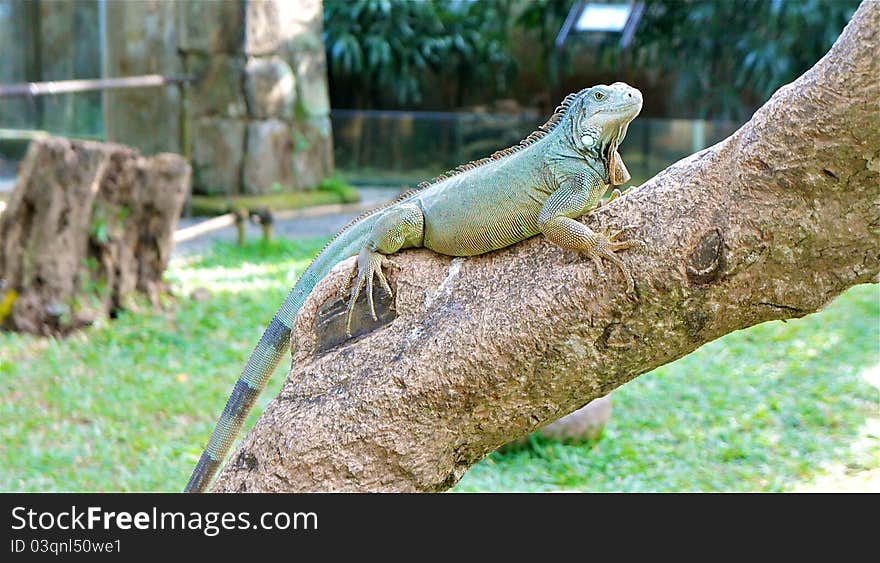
<point x="771" y="223"/>
<point x="88" y="226"/>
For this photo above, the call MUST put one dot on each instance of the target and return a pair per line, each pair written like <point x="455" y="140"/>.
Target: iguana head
<point x="598" y="119"/>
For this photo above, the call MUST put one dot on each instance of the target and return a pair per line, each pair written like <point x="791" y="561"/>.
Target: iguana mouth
<point x="621" y="109"/>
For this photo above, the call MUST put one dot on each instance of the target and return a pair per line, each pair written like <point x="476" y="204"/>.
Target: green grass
<point x="776" y="407"/>
<point x="126" y="405"/>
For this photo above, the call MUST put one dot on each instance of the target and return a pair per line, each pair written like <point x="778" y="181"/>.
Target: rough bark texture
<point x="88" y="225"/>
<point x="258" y="111"/>
<point x="771" y="223"/>
<point x="583" y="425"/>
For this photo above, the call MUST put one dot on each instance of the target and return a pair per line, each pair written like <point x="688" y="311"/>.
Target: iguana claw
<point x="607" y="245"/>
<point x="615" y="193"/>
<point x="614" y="236"/>
<point x="369" y="264"/>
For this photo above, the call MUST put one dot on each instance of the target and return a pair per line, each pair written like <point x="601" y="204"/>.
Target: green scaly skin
<point x="542" y="185"/>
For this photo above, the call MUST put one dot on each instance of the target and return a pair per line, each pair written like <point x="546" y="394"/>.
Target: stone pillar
<point x="258" y="113"/>
<point x="141" y="38"/>
<point x="303" y="49"/>
<point x="210" y="39"/>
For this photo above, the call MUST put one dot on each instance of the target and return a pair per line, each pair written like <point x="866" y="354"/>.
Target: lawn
<point x="127" y="405"/>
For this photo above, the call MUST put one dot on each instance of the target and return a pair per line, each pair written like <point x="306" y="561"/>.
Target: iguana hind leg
<point x="401" y="226"/>
<point x="369" y="265"/>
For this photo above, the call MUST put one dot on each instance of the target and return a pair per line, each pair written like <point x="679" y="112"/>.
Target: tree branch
<point x="771" y="223"/>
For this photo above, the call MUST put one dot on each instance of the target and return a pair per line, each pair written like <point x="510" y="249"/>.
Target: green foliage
<point x="728" y="57"/>
<point x="340" y="188"/>
<point x="542" y="20"/>
<point x="99" y="230"/>
<point x="388" y="48"/>
<point x="127" y="405"/>
<point x="722" y="58"/>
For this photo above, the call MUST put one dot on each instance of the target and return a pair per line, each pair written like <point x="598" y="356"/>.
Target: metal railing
<point x="89" y="85"/>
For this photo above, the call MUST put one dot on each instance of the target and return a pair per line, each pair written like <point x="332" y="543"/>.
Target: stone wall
<point x="142" y="39"/>
<point x="258" y="114"/>
<point x="256" y="118"/>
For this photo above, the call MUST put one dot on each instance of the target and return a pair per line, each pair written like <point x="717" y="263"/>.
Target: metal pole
<point x="71" y="86"/>
<point x="105" y="65"/>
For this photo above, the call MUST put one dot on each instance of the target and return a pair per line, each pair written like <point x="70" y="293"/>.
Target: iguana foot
<point x="605" y="245"/>
<point x="369" y="264"/>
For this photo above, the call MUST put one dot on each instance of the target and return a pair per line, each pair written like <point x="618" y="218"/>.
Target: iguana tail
<point x="260" y="366"/>
<point x="272" y="346"/>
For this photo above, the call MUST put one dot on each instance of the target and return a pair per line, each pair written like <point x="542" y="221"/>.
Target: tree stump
<point x="87" y="226"/>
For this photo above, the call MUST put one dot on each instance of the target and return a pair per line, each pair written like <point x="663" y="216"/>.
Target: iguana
<point x="556" y="174"/>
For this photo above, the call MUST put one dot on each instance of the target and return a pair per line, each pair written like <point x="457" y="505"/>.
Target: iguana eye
<point x="599" y="96"/>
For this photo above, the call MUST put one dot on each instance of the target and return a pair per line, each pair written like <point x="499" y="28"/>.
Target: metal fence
<point x="396" y="147"/>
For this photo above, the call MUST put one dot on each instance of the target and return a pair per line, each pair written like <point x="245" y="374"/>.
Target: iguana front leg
<point x="574" y="198"/>
<point x="400" y="226"/>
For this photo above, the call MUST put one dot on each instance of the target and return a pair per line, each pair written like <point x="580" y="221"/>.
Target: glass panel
<point x="394" y="148"/>
<point x="42" y="42"/>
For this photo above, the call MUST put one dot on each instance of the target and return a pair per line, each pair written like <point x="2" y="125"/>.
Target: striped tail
<point x="273" y="345"/>
<point x="264" y="359"/>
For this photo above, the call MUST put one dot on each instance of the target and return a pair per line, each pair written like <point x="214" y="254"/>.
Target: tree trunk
<point x="88" y="226"/>
<point x="771" y="223"/>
